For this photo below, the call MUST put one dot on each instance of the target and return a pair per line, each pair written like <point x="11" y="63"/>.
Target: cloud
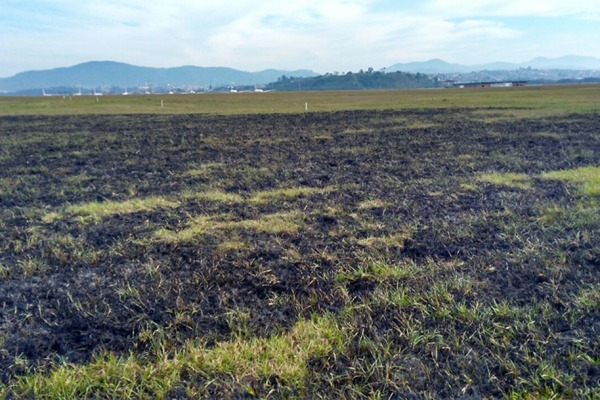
<point x="290" y="33"/>
<point x="346" y="33"/>
<point x="513" y="8"/>
<point x="324" y="35"/>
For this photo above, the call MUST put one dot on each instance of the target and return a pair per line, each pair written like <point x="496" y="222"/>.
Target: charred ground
<point x="449" y="258"/>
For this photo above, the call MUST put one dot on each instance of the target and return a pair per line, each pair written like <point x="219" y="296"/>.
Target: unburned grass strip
<point x="509" y="179"/>
<point x="287" y="194"/>
<point x="281" y="357"/>
<point x="203" y="170"/>
<point x="96" y="210"/>
<point x="277" y="223"/>
<point x="372" y="203"/>
<point x="377" y="270"/>
<point x="587" y="179"/>
<point x="284" y="222"/>
<point x="375" y="242"/>
<point x="217" y="196"/>
<point x="585" y="213"/>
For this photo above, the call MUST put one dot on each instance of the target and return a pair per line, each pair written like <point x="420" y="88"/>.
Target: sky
<point x="321" y="35"/>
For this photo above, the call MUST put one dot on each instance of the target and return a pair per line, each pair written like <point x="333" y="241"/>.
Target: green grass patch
<point x="321" y="138"/>
<point x="582" y="215"/>
<point x="509" y="179"/>
<point x="276" y="223"/>
<point x="421" y="125"/>
<point x="377" y="271"/>
<point x="197" y="226"/>
<point x="281" y="358"/>
<point x="588" y="298"/>
<point x="284" y="222"/>
<point x="587" y="179"/>
<point x="585" y="213"/>
<point x="372" y="203"/>
<point x="287" y="194"/>
<point x="79" y="179"/>
<point x="232" y="245"/>
<point x="97" y="210"/>
<point x="396" y="240"/>
<point x="512" y="113"/>
<point x="66" y="249"/>
<point x="217" y="196"/>
<point x="357" y="131"/>
<point x="547" y="135"/>
<point x="203" y="170"/>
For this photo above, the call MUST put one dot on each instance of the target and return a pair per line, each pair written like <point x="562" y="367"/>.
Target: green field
<point x="548" y="98"/>
<point x="425" y="244"/>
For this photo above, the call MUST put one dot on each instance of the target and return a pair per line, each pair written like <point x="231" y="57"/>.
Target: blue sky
<point x="322" y="35"/>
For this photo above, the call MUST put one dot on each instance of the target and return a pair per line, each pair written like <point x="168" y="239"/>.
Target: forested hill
<point x="355" y="81"/>
<point x="106" y="74"/>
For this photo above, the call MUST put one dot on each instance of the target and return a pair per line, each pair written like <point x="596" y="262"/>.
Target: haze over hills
<point x="110" y="76"/>
<point x="105" y="74"/>
<point x="437" y="66"/>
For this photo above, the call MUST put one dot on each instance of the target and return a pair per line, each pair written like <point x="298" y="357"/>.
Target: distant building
<point x="489" y="84"/>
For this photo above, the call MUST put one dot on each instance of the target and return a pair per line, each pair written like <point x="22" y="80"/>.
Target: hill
<point x="355" y="81"/>
<point x="104" y="74"/>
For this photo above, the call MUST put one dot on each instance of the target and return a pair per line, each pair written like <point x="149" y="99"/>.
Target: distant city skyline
<point x="324" y="35"/>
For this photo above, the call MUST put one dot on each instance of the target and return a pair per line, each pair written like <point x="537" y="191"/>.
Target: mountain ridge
<point x="94" y="74"/>
<point x="438" y="66"/>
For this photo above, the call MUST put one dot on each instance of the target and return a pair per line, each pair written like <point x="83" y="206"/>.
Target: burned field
<point x="362" y="254"/>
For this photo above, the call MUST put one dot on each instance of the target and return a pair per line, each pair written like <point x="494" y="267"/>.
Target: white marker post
<point x="306" y="106"/>
<point x="162" y="104"/>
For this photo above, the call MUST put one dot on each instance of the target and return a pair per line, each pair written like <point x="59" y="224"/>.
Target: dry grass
<point x="519" y="102"/>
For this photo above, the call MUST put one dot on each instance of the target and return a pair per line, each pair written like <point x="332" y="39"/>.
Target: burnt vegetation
<point x="364" y="254"/>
